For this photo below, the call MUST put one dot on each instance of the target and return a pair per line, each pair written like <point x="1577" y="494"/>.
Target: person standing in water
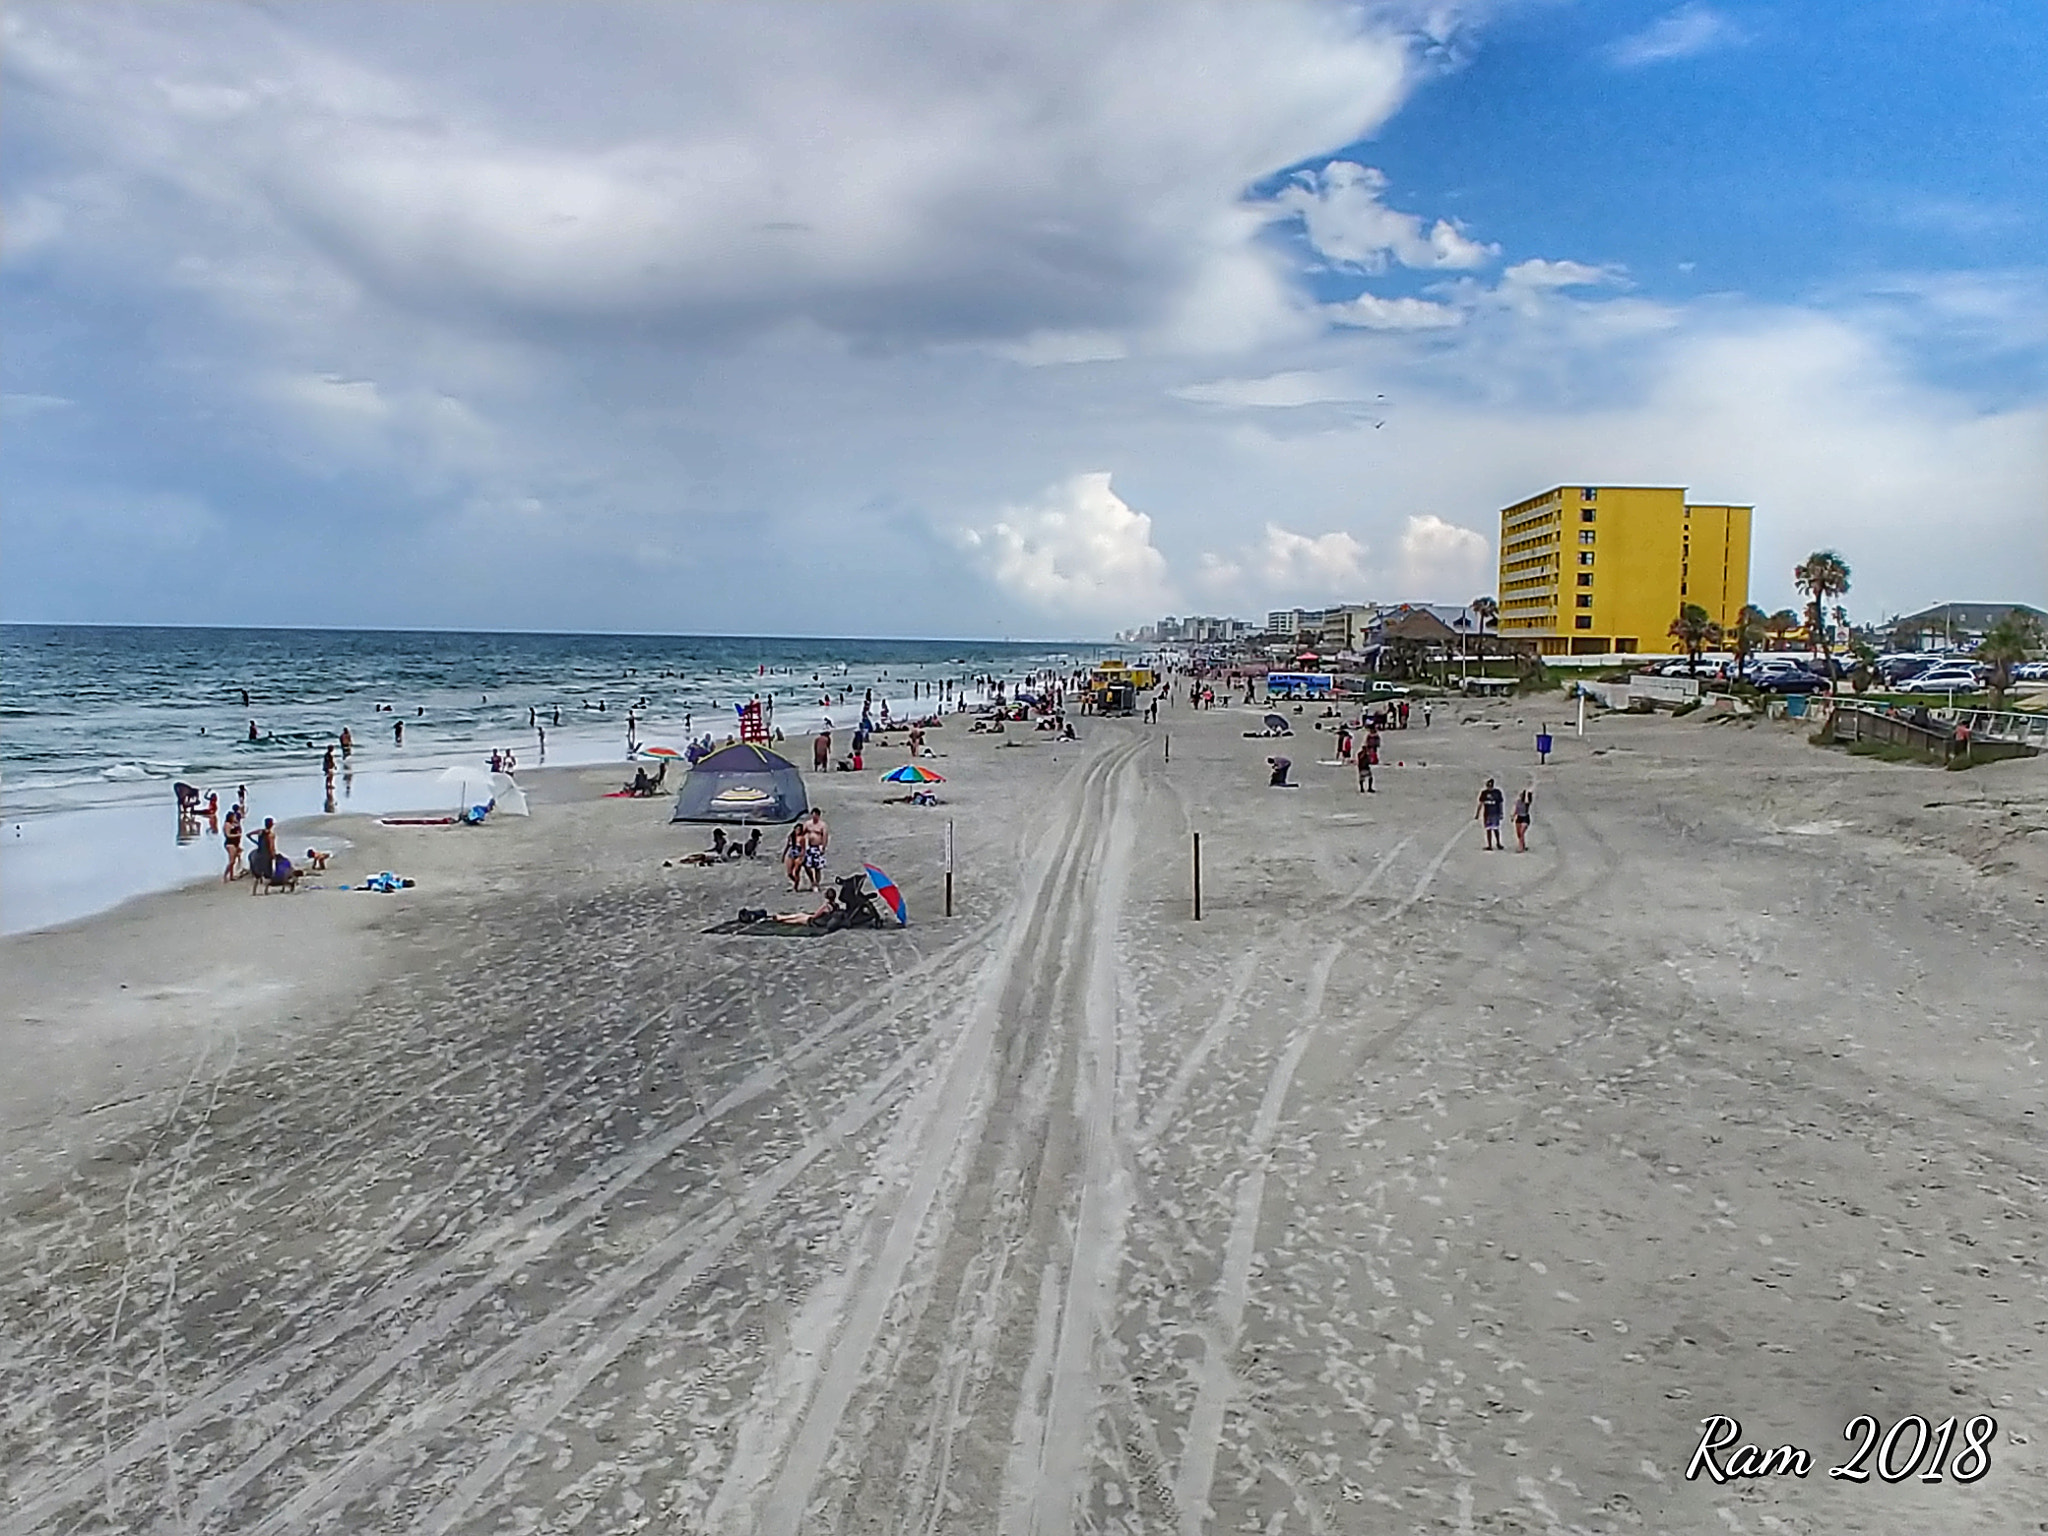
<point x="348" y="744"/>
<point x="398" y="733"/>
<point x="1490" y="802"/>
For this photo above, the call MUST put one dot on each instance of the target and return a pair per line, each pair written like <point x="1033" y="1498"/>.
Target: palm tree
<point x="1752" y="625"/>
<point x="1821" y="575"/>
<point x="1487" y="612"/>
<point x="2013" y="639"/>
<point x="1781" y="624"/>
<point x="1695" y="629"/>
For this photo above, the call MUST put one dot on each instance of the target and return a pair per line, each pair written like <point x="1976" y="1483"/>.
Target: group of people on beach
<point x="266" y="865"/>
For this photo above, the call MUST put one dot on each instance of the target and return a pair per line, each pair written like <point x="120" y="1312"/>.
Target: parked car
<point x="1381" y="685"/>
<point x="1944" y="679"/>
<point x="2031" y="672"/>
<point x="1792" y="680"/>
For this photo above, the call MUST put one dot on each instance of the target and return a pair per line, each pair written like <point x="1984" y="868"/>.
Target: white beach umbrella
<point x="509" y="798"/>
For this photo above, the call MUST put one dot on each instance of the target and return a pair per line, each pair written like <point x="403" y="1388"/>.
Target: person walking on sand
<point x="821" y="751"/>
<point x="817" y="837"/>
<point x="1365" y="784"/>
<point x="1523" y="802"/>
<point x="1490" y="802"/>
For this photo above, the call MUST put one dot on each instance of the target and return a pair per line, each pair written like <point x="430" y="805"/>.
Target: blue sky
<point x="938" y="320"/>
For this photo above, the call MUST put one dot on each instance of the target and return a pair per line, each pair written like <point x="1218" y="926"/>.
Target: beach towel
<point x="768" y="930"/>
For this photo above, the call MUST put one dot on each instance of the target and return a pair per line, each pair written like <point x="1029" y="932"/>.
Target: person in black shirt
<point x="1490" y="804"/>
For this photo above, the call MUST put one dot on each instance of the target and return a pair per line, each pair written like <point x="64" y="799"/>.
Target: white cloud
<point x="1078" y="551"/>
<point x="1290" y="567"/>
<point x="1276" y="390"/>
<point x="1370" y="312"/>
<point x="1684" y="33"/>
<point x="1540" y="274"/>
<point x="1438" y="557"/>
<point x="964" y="173"/>
<point x="1345" y="219"/>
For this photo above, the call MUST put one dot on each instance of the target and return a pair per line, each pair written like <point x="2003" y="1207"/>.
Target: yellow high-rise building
<point x="1590" y="569"/>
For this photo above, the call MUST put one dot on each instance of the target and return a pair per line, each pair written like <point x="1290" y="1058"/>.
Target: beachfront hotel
<point x="1588" y="570"/>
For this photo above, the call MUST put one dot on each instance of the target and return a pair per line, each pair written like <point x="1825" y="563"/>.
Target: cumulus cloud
<point x="1288" y="567"/>
<point x="1439" y="557"/>
<point x="1345" y="219"/>
<point x="1684" y="33"/>
<point x="1079" y="550"/>
<point x="1370" y="312"/>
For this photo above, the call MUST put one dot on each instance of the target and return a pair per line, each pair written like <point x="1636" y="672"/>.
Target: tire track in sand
<point x="1205" y="1422"/>
<point x="540" y="1225"/>
<point x="793" y="1432"/>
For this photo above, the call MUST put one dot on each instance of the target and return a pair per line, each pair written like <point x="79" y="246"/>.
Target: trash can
<point x="1795" y="705"/>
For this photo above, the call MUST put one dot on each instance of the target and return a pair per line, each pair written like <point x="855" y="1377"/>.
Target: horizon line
<point x="600" y="634"/>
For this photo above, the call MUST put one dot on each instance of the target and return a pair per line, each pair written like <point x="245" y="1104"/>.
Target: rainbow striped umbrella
<point x="912" y="773"/>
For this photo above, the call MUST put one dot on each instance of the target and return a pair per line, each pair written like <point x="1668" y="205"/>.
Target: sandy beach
<point x="1414" y="1188"/>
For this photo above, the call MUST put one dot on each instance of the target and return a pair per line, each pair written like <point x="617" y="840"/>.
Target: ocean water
<point x="97" y="723"/>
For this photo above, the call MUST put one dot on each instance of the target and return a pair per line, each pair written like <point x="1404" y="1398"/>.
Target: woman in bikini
<point x="231" y="835"/>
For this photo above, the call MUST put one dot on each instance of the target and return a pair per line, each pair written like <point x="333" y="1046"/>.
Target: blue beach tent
<point x="743" y="783"/>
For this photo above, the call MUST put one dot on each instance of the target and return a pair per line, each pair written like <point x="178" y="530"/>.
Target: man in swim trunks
<point x="817" y="836"/>
<point x="1490" y="803"/>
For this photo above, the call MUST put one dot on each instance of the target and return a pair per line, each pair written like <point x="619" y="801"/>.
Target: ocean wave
<point x="130" y="773"/>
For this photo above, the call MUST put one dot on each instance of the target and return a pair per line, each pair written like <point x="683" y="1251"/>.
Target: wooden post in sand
<point x="1169" y="748"/>
<point x="1198" y="877"/>
<point x="949" y="866"/>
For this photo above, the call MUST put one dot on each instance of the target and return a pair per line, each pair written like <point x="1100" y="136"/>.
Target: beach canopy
<point x="745" y="782"/>
<point x="913" y="773"/>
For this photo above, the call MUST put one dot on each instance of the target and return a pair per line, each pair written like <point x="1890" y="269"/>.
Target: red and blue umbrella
<point x="913" y="773"/>
<point x="886" y="889"/>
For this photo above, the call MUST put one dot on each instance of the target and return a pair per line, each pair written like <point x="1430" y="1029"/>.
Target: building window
<point x="1583" y="621"/>
<point x="1585" y="557"/>
<point x="1590" y="493"/>
<point x="1585" y="578"/>
<point x="1585" y="535"/>
<point x="1585" y="599"/>
<point x="1585" y="514"/>
<point x="1681" y="589"/>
